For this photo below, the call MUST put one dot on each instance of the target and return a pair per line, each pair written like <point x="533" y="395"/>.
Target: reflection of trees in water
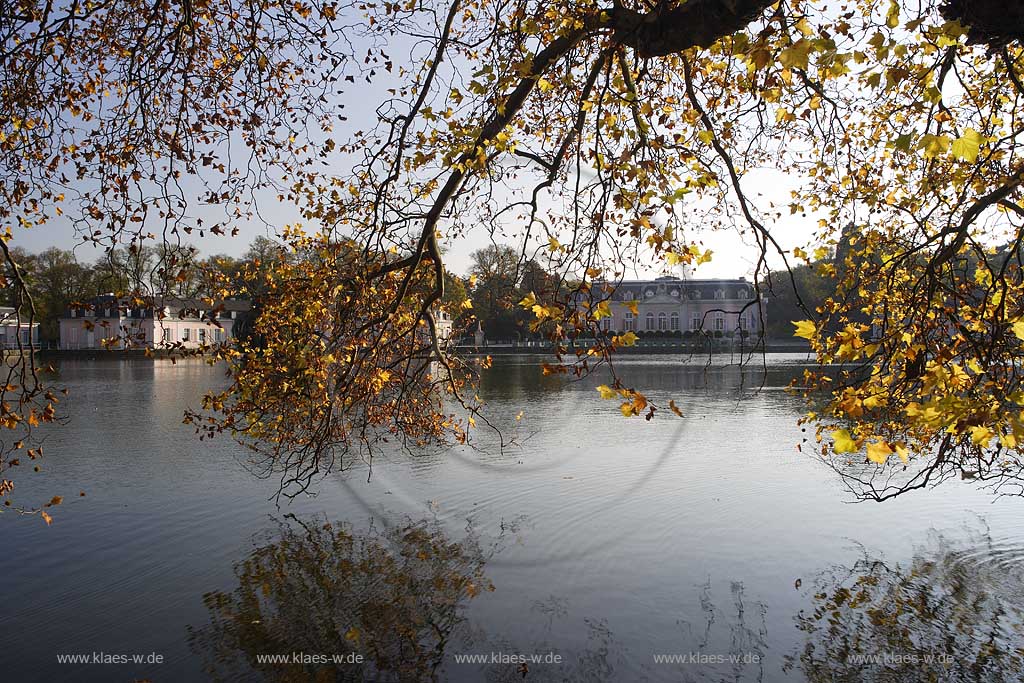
<point x="740" y="633"/>
<point x="522" y="378"/>
<point x="950" y="615"/>
<point x="394" y="596"/>
<point x="595" y="663"/>
<point x="398" y="597"/>
<point x="739" y="629"/>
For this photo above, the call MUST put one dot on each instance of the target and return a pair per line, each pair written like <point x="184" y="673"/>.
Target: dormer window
<point x="743" y="294"/>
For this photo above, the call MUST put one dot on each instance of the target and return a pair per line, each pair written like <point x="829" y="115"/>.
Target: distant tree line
<point x="57" y="278"/>
<point x="488" y="296"/>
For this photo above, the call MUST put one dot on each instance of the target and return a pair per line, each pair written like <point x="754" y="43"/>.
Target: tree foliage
<point x="332" y="369"/>
<point x="609" y="133"/>
<point x="394" y="597"/>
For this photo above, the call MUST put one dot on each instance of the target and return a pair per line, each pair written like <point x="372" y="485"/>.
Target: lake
<point x="591" y="548"/>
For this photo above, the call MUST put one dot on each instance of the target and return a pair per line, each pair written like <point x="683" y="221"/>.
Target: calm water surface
<point x="601" y="542"/>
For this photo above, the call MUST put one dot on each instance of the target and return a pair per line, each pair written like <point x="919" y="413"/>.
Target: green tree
<point x="494" y="294"/>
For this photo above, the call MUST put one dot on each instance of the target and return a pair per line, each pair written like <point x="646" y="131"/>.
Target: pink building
<point x="109" y="322"/>
<point x="672" y="304"/>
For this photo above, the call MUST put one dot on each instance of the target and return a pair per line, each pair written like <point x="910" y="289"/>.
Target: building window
<point x="719" y="322"/>
<point x="742" y="294"/>
<point x="630" y="324"/>
<point x="743" y="323"/>
<point x="675" y="321"/>
<point x="74" y="312"/>
<point x="662" y="321"/>
<point x="184" y="334"/>
<point x="202" y="336"/>
<point x="719" y="293"/>
<point x="650" y="322"/>
<point x="695" y="322"/>
<point x="167" y="335"/>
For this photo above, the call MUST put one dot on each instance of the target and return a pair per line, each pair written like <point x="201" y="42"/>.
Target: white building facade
<point x="109" y="322"/>
<point x="15" y="333"/>
<point x="668" y="304"/>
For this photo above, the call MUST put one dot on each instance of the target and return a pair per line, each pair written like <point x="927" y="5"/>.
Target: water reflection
<point x="511" y="378"/>
<point x="398" y="598"/>
<point x="953" y="613"/>
<point x="385" y="602"/>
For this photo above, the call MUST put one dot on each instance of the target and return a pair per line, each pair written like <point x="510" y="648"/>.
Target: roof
<point x="175" y="305"/>
<point x="669" y="285"/>
<point x="9" y="316"/>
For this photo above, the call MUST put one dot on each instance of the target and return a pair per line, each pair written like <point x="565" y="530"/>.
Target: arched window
<point x="662" y="321"/>
<point x="675" y="321"/>
<point x="719" y="293"/>
<point x="629" y="323"/>
<point x="650" y="321"/>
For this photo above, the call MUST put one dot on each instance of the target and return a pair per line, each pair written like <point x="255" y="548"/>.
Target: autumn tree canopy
<point x="607" y="132"/>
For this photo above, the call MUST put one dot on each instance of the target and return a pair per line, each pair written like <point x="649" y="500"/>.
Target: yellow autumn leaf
<point x="879" y="452"/>
<point x="892" y="17"/>
<point x="529" y="301"/>
<point x="903" y="452"/>
<point x="981" y="435"/>
<point x="1018" y="329"/>
<point x="607" y="392"/>
<point x="967" y="146"/>
<point x="631" y="305"/>
<point x="843" y="442"/>
<point x="627" y="339"/>
<point x="804" y="328"/>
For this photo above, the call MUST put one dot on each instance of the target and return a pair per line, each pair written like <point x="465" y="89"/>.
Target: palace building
<point x="673" y="304"/>
<point x="110" y="322"/>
